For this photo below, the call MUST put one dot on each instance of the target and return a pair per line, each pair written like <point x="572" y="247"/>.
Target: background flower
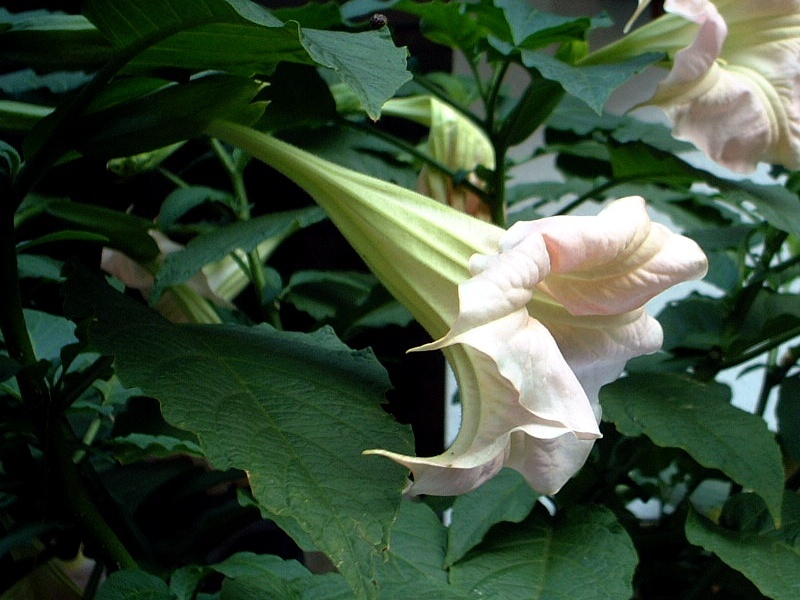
<point x="733" y="85"/>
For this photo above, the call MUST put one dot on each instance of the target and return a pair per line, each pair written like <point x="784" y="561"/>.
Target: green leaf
<point x="505" y="497"/>
<point x="266" y="576"/>
<point x="121" y="231"/>
<point x="323" y="294"/>
<point x="593" y="84"/>
<point x="51" y="41"/>
<point x="374" y="80"/>
<point x="125" y="22"/>
<point x="133" y="585"/>
<point x="581" y="553"/>
<point x="141" y="446"/>
<point x="533" y="28"/>
<point x="167" y="116"/>
<point x="182" y="200"/>
<point x="295" y="411"/>
<point x="531" y="110"/>
<point x="415" y="565"/>
<point x="458" y="25"/>
<point x="9" y="163"/>
<point x="637" y="160"/>
<point x="182" y="265"/>
<point x="49" y="334"/>
<point x="298" y="97"/>
<point x="770" y="558"/>
<point x="779" y="206"/>
<point x="695" y="322"/>
<point x="771" y="316"/>
<point x="8" y="367"/>
<point x="788" y="413"/>
<point x="244" y="38"/>
<point x="679" y="412"/>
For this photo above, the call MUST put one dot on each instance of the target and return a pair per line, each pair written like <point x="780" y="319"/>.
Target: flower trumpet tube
<point x="533" y="320"/>
<point x="734" y="85"/>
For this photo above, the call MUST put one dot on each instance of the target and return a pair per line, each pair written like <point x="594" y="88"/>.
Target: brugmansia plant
<point x="237" y="241"/>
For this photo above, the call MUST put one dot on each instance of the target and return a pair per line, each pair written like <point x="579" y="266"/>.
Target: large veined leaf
<point x="242" y="37"/>
<point x="679" y="412"/>
<point x="769" y="557"/>
<point x="583" y="553"/>
<point x="505" y="497"/>
<point x="415" y="565"/>
<point x="295" y="411"/>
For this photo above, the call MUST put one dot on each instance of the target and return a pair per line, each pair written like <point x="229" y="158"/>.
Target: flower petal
<point x="614" y="262"/>
<point x="514" y="382"/>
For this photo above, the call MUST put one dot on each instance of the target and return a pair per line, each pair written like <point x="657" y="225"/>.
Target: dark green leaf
<point x="49" y="41"/>
<point x="169" y="115"/>
<point x="8" y="367"/>
<point x="267" y="576"/>
<point x="65" y="235"/>
<point x="20" y="83"/>
<point x="244" y="38"/>
<point x="531" y="110"/>
<point x="244" y="235"/>
<point x="637" y="160"/>
<point x="505" y="497"/>
<point x="294" y="411"/>
<point x="415" y="564"/>
<point x="788" y="414"/>
<point x="532" y="28"/>
<point x="592" y="84"/>
<point x="9" y="163"/>
<point x="297" y="96"/>
<point x="319" y="15"/>
<point x="694" y="322"/>
<point x="323" y="294"/>
<point x="679" y="412"/>
<point x="182" y="200"/>
<point x="458" y="25"/>
<point x="49" y="333"/>
<point x="771" y="316"/>
<point x="123" y="232"/>
<point x="140" y="446"/>
<point x="768" y="557"/>
<point x="374" y="80"/>
<point x="133" y="585"/>
<point x="583" y="553"/>
<point x="779" y="206"/>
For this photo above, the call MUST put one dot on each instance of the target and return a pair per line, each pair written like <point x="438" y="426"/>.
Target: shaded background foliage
<point x="123" y="440"/>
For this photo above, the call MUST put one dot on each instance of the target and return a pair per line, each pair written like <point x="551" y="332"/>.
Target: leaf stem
<point x="419" y="155"/>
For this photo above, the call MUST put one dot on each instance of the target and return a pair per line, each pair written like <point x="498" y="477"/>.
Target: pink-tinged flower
<point x="735" y="92"/>
<point x="734" y="86"/>
<point x="533" y="320"/>
<point x="548" y="320"/>
<point x="182" y="303"/>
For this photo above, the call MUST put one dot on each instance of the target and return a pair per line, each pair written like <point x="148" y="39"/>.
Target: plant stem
<point x="78" y="498"/>
<point x="234" y="166"/>
<point x="12" y="319"/>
